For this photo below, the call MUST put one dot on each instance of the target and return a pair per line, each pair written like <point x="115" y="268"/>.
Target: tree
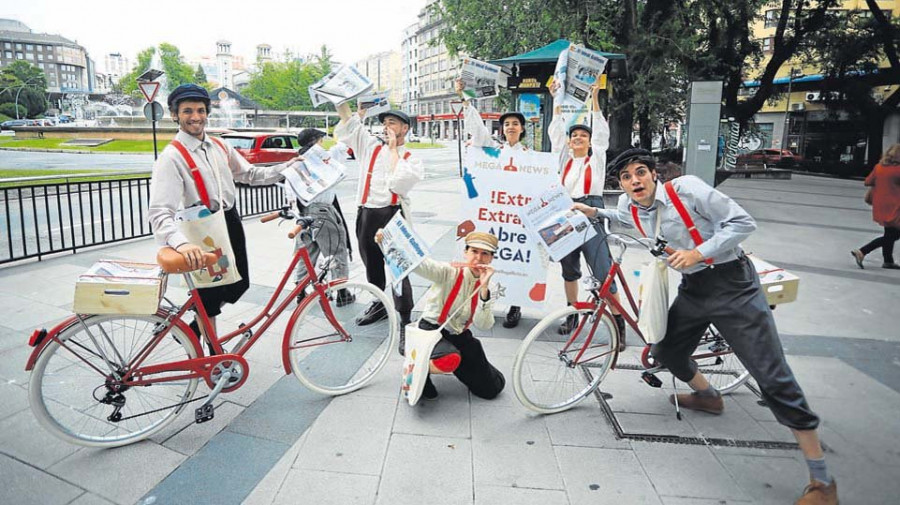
<point x="856" y="54"/>
<point x="128" y="82"/>
<point x="26" y="82"/>
<point x="199" y="74"/>
<point x="284" y="85"/>
<point x="177" y="71"/>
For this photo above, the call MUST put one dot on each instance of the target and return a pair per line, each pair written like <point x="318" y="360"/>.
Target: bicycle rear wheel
<point x="717" y="361"/>
<point x="548" y="374"/>
<point x="325" y="360"/>
<point x="75" y="396"/>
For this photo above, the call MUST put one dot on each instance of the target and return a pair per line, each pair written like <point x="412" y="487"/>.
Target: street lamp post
<point x="23" y="86"/>
<point x="787" y="112"/>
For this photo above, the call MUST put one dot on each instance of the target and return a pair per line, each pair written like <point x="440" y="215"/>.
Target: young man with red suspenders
<point x="384" y="183"/>
<point x="719" y="286"/>
<point x="190" y="171"/>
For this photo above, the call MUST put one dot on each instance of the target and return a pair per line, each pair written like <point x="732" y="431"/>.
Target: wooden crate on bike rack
<point x="779" y="285"/>
<point x="119" y="287"/>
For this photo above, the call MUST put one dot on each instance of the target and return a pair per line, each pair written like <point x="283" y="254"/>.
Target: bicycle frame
<point x="201" y="366"/>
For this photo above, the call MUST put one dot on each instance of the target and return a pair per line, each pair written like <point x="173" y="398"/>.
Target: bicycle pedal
<point x="204" y="413"/>
<point x="651" y="379"/>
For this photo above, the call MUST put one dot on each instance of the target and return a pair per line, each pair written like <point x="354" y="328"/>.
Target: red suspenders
<point x="452" y="297"/>
<point x="195" y="172"/>
<point x="365" y="196"/>
<point x="587" y="174"/>
<point x="682" y="211"/>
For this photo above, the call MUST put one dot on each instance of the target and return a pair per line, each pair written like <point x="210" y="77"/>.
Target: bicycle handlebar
<point x="304" y="223"/>
<point x="270" y="217"/>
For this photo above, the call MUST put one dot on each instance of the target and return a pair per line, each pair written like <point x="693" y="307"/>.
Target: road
<point x="437" y="162"/>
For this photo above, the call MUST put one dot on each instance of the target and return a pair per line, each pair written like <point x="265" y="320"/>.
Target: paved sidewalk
<point x="274" y="442"/>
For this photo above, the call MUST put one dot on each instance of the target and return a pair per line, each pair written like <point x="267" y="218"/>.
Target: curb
<point x="73" y="151"/>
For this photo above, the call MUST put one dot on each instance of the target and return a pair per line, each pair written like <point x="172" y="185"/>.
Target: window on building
<point x="19" y="46"/>
<point x="20" y="56"/>
<point x="8" y="54"/>
<point x="7" y="45"/>
<point x="768" y="44"/>
<point x="40" y="57"/>
<point x="771" y="20"/>
<point x="29" y="47"/>
<point x="29" y="56"/>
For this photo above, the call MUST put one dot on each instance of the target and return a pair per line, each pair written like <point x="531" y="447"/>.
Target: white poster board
<point x="497" y="184"/>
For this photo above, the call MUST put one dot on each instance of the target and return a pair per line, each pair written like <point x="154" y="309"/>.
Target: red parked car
<point x="770" y="157"/>
<point x="262" y="148"/>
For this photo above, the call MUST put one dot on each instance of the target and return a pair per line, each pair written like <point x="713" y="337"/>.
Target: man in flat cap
<point x="388" y="171"/>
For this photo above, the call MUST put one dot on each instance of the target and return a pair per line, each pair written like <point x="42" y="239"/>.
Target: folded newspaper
<point x="310" y="178"/>
<point x="558" y="228"/>
<point x="402" y="247"/>
<point x="374" y="103"/>
<point x="480" y="79"/>
<point x="339" y="86"/>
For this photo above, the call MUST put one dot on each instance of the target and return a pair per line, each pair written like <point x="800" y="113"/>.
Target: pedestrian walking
<point x="884" y="184"/>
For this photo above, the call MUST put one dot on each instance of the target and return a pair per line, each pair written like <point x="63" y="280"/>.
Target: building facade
<point x="67" y="65"/>
<point x="385" y="72"/>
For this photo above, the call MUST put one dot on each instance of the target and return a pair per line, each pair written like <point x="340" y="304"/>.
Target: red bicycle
<point x="554" y="372"/>
<point x="112" y="380"/>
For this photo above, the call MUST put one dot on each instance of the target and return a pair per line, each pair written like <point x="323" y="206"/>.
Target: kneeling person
<point x="452" y="299"/>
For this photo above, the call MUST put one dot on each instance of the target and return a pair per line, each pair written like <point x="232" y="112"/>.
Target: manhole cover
<point x="637" y="411"/>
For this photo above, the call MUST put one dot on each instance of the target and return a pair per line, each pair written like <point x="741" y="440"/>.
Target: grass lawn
<point x="423" y="145"/>
<point x="71" y="175"/>
<point x="124" y="146"/>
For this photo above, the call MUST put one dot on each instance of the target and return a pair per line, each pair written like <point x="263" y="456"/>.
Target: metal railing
<point x="40" y="219"/>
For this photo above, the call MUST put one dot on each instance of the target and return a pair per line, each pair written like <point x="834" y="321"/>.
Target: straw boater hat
<point x="482" y="240"/>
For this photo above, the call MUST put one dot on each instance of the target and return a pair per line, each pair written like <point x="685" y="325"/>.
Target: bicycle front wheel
<point x="717" y="361"/>
<point x="75" y="391"/>
<point x="330" y="352"/>
<point x="550" y="373"/>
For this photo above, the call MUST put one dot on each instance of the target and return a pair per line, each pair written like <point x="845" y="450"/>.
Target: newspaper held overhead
<point x="402" y="247"/>
<point x="312" y="177"/>
<point x="583" y="68"/>
<point x="374" y="103"/>
<point x="339" y="86"/>
<point x="480" y="79"/>
<point x="559" y="229"/>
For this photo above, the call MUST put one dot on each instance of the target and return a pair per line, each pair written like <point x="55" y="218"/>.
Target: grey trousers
<point x="729" y="296"/>
<point x="331" y="240"/>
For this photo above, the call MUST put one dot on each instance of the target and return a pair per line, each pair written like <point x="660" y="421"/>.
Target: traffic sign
<point x="153" y="111"/>
<point x="149" y="89"/>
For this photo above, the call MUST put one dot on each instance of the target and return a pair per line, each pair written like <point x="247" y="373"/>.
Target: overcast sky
<point x="352" y="29"/>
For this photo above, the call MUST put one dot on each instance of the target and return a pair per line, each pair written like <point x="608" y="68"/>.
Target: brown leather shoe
<point x="693" y="401"/>
<point x="817" y="493"/>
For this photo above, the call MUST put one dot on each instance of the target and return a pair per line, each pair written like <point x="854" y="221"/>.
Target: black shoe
<point x="345" y="297"/>
<point x="195" y="326"/>
<point x="376" y="312"/>
<point x="620" y="324"/>
<point x="568" y="325"/>
<point x="512" y="317"/>
<point x="301" y="295"/>
<point x="429" y="392"/>
<point x="402" y="347"/>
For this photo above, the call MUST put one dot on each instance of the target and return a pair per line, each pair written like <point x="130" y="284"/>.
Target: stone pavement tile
<point x="189" y="440"/>
<point x="600" y="476"/>
<point x="92" y="468"/>
<point x="10" y="338"/>
<point x="23" y="438"/>
<point x="631" y="394"/>
<point x="512" y="449"/>
<point x="386" y="383"/>
<point x="448" y="416"/>
<point x="748" y="401"/>
<point x="861" y="482"/>
<point x="733" y="424"/>
<point x="21" y="484"/>
<point x="224" y="471"/>
<point x="655" y="424"/>
<point x="15" y="398"/>
<point x="432" y="470"/>
<point x="495" y="495"/>
<point x="501" y="347"/>
<point x="12" y="365"/>
<point x="90" y="499"/>
<point x="282" y="413"/>
<point x="677" y="500"/>
<point x="25" y="315"/>
<point x="583" y="426"/>
<point x="768" y="479"/>
<point x="687" y="471"/>
<point x="327" y="488"/>
<point x="265" y="491"/>
<point x="185" y="420"/>
<point x="351" y="435"/>
<point x="262" y="376"/>
<point x="874" y="430"/>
